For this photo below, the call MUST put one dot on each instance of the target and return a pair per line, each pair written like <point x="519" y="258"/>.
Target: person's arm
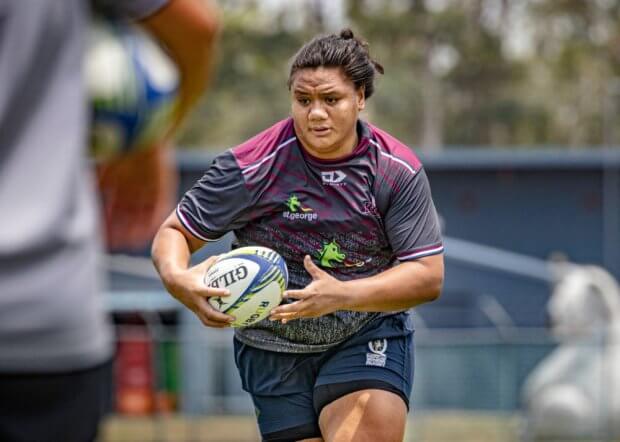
<point x="138" y="188"/>
<point x="188" y="30"/>
<point x="137" y="192"/>
<point x="171" y="252"/>
<point x="214" y="206"/>
<point x="409" y="284"/>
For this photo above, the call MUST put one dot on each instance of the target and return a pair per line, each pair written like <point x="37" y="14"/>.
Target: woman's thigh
<point x="363" y="389"/>
<point x="364" y="415"/>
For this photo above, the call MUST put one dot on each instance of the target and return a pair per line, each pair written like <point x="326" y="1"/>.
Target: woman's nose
<point x="317" y="112"/>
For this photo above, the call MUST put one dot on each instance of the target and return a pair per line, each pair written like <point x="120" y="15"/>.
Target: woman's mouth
<point x="320" y="131"/>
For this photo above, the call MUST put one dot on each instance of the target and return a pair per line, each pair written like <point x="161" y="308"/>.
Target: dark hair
<point x="343" y="50"/>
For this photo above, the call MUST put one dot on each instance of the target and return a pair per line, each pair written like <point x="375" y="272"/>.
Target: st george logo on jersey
<point x="297" y="211"/>
<point x="333" y="177"/>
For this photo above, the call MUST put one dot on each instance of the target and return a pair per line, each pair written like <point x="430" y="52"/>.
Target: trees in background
<point x="458" y="72"/>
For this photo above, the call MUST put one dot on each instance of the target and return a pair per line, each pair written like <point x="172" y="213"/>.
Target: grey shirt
<point x="51" y="313"/>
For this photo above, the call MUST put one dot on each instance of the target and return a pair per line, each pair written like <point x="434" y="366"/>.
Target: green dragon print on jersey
<point x="331" y="252"/>
<point x="294" y="204"/>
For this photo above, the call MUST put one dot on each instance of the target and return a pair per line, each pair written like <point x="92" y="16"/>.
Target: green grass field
<point x="424" y="427"/>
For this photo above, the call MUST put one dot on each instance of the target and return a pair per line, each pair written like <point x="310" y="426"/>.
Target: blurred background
<point x="512" y="105"/>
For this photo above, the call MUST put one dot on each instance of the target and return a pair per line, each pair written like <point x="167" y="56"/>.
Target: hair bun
<point x="378" y="66"/>
<point x="347" y="34"/>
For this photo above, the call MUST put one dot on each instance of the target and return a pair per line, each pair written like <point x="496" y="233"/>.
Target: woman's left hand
<point x="323" y="295"/>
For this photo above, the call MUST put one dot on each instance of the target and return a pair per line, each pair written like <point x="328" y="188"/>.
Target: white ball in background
<point x="132" y="86"/>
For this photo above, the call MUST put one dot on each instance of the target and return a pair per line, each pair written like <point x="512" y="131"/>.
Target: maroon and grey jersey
<point x="356" y="217"/>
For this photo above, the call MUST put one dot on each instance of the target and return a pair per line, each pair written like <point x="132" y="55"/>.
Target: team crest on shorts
<point x="377" y="356"/>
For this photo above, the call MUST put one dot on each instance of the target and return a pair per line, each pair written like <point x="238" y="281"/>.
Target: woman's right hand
<point x="189" y="288"/>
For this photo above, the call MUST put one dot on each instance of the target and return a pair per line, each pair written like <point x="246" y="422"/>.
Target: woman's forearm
<point x="170" y="253"/>
<point x="401" y="287"/>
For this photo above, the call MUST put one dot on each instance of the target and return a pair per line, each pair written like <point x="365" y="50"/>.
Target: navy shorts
<point x="290" y="389"/>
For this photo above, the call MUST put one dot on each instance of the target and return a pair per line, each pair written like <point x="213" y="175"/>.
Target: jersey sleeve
<point x="411" y="221"/>
<point x="218" y="202"/>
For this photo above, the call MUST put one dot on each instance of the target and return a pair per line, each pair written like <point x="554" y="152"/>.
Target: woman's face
<point x="325" y="110"/>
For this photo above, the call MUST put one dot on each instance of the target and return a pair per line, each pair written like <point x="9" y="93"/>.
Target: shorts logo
<point x="378" y="346"/>
<point x="296" y="211"/>
<point x="333" y="178"/>
<point x="377" y="357"/>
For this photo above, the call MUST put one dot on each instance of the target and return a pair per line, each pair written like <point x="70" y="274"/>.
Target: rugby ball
<point x="132" y="86"/>
<point x="256" y="278"/>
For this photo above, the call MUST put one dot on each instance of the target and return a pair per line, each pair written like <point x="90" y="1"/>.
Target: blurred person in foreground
<point x="350" y="210"/>
<point x="55" y="341"/>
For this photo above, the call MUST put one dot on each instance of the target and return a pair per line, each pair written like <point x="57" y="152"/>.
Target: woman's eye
<point x="331" y="100"/>
<point x="303" y="101"/>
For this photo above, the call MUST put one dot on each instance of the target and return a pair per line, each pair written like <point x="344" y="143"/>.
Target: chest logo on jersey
<point x="297" y="211"/>
<point x="369" y="208"/>
<point x="333" y="178"/>
<point x="331" y="254"/>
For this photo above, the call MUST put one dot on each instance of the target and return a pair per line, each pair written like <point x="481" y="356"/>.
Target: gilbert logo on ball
<point x="256" y="278"/>
<point x="132" y="85"/>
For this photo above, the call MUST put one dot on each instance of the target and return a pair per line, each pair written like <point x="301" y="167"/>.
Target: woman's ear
<point x="361" y="98"/>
